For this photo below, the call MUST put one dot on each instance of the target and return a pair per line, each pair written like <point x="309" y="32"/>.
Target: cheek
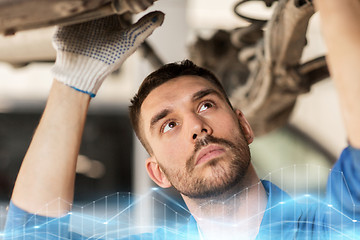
<point x="226" y="126"/>
<point x="172" y="154"/>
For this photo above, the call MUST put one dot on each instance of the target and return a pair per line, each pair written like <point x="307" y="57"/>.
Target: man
<point x="197" y="142"/>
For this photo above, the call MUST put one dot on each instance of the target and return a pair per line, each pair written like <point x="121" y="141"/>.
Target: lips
<point x="208" y="153"/>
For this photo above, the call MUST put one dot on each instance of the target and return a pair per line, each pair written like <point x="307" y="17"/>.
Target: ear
<point x="247" y="130"/>
<point x="156" y="173"/>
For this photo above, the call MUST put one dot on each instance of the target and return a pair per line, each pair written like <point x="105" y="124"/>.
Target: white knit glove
<point x="88" y="52"/>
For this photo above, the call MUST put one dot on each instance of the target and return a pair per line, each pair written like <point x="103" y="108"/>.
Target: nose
<point x="195" y="135"/>
<point x="198" y="127"/>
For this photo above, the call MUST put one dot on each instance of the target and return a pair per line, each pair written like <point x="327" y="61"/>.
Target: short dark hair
<point x="160" y="76"/>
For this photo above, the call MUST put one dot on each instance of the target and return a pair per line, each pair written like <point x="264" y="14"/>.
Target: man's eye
<point x="205" y="106"/>
<point x="169" y="126"/>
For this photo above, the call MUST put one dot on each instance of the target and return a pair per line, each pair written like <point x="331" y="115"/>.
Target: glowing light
<point x="119" y="209"/>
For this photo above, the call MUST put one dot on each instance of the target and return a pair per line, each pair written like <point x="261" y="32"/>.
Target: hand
<point x="88" y="52"/>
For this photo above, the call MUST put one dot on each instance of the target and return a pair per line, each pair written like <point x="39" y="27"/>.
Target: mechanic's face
<point x="199" y="144"/>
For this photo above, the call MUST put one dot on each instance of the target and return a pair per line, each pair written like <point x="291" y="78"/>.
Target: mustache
<point x="208" y="139"/>
<point x="202" y="142"/>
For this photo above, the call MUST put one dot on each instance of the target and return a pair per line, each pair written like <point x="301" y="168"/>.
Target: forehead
<point x="174" y="91"/>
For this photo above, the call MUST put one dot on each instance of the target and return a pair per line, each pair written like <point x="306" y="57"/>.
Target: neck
<point x="237" y="212"/>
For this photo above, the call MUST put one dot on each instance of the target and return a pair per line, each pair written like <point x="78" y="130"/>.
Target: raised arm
<point x="86" y="54"/>
<point x="341" y="30"/>
<point x="48" y="169"/>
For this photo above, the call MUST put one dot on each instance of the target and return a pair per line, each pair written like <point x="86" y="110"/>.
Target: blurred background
<point x="296" y="156"/>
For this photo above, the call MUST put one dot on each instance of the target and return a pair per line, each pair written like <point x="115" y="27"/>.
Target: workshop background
<point x="297" y="156"/>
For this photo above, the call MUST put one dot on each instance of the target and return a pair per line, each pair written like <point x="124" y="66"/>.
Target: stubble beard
<point x="217" y="176"/>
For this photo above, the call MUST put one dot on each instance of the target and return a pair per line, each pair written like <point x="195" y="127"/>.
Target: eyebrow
<point x="202" y="93"/>
<point x="162" y="114"/>
<point x="196" y="96"/>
